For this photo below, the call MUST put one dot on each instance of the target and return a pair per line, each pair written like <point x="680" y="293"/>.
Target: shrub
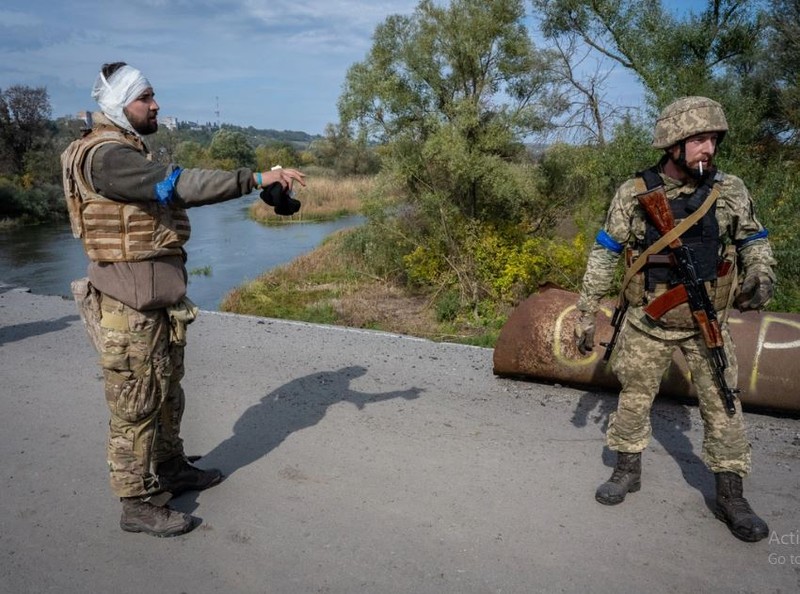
<point x="32" y="204"/>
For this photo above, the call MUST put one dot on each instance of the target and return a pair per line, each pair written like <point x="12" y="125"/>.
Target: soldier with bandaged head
<point x="131" y="214"/>
<point x="726" y="242"/>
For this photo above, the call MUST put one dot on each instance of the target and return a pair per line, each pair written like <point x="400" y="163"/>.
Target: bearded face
<point x="142" y="113"/>
<point x="695" y="155"/>
<point x="126" y="97"/>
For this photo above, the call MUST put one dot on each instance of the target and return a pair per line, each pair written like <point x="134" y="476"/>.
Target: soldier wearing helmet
<point x="686" y="118"/>
<point x="725" y="238"/>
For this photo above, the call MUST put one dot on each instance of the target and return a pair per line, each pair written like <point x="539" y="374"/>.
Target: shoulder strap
<point x="651" y="179"/>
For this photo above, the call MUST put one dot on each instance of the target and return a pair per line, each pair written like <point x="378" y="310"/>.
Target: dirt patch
<point x="388" y="308"/>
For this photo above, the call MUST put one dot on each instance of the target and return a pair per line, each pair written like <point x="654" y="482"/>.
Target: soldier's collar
<point x="683" y="187"/>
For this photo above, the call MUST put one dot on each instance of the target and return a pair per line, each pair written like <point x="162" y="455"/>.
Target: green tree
<point x="230" y="149"/>
<point x="24" y="125"/>
<point x="780" y="71"/>
<point x="730" y="50"/>
<point x="190" y="154"/>
<point x="452" y="91"/>
<point x="347" y="156"/>
<point x="274" y="153"/>
<point x="671" y="55"/>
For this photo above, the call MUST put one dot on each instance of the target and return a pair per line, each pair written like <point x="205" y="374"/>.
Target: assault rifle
<point x="616" y="322"/>
<point x="690" y="290"/>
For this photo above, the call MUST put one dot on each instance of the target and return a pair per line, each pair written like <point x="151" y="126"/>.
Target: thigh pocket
<point x="130" y="367"/>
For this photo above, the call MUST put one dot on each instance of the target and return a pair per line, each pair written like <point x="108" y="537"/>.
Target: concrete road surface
<point x="366" y="462"/>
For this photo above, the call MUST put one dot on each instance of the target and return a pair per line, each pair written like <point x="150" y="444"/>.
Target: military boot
<point x="177" y="475"/>
<point x="735" y="511"/>
<point x="139" y="515"/>
<point x="625" y="479"/>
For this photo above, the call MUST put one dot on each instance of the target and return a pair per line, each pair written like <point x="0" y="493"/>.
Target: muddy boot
<point x="625" y="479"/>
<point x="176" y="475"/>
<point x="733" y="509"/>
<point x="142" y="516"/>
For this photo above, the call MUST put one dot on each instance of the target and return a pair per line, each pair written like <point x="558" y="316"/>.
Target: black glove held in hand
<point x="757" y="290"/>
<point x="280" y="199"/>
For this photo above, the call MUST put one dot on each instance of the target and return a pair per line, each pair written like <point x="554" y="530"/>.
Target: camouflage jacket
<point x="625" y="224"/>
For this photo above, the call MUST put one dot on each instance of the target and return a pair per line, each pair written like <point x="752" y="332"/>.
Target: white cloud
<point x="269" y="63"/>
<point x="272" y="63"/>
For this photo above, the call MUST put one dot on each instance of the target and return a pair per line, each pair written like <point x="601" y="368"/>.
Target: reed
<point x="323" y="199"/>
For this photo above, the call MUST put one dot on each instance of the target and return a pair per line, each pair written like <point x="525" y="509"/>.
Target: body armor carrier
<point x="715" y="265"/>
<point x="117" y="231"/>
<point x="702" y="239"/>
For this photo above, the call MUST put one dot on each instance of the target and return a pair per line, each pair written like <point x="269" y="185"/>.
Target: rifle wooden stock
<point x="691" y="289"/>
<point x="656" y="205"/>
<point x="712" y="335"/>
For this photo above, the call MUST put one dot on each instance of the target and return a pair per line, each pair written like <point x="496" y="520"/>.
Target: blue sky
<point x="267" y="63"/>
<point x="272" y="63"/>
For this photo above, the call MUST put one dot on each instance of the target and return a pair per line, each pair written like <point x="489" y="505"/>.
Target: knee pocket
<point x="132" y="396"/>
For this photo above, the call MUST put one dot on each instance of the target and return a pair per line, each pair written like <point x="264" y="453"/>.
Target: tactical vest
<point x="716" y="266"/>
<point x="117" y="231"/>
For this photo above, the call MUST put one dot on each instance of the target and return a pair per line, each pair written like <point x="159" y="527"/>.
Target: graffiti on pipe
<point x="537" y="342"/>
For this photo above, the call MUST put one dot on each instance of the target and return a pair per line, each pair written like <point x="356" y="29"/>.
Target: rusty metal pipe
<point x="537" y="343"/>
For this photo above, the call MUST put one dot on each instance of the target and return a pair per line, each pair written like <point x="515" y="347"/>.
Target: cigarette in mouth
<point x="701" y="168"/>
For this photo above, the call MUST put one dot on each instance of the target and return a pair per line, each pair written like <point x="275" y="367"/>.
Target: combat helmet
<point x="686" y="117"/>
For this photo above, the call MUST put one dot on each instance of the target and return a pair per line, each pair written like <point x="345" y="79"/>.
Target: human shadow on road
<point x="28" y="329"/>
<point x="300" y="404"/>
<point x="671" y="423"/>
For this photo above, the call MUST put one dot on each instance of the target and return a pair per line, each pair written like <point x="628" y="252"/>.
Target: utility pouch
<point x="181" y="315"/>
<point x="727" y="277"/>
<point x="87" y="299"/>
<point x="634" y="290"/>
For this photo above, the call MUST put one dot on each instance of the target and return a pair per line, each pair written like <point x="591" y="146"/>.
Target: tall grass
<point x="323" y="199"/>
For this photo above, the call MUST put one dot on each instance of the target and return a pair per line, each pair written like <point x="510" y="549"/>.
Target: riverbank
<point x="226" y="250"/>
<point x="362" y="461"/>
<point x="329" y="285"/>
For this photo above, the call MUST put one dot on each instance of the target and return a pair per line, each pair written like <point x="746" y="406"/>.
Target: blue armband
<point x="760" y="235"/>
<point x="608" y="242"/>
<point x="165" y="190"/>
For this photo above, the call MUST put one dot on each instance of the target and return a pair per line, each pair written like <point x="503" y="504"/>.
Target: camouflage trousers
<point x="640" y="362"/>
<point x="142" y="364"/>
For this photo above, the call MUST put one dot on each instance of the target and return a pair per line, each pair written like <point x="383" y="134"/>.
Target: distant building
<point x="169" y="122"/>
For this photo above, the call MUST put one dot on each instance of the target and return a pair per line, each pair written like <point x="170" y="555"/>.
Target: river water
<point x="46" y="258"/>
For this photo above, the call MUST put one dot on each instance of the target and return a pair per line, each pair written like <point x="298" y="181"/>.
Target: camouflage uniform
<point x="645" y="348"/>
<point x="142" y="358"/>
<point x="722" y="234"/>
<point x="142" y="305"/>
<point x="131" y="214"/>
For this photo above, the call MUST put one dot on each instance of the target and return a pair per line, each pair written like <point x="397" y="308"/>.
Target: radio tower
<point x="216" y="112"/>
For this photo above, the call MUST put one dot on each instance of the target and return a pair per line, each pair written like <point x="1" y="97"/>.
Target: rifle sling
<point x="666" y="239"/>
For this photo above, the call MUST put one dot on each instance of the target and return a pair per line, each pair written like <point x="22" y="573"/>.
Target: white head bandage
<point x="114" y="93"/>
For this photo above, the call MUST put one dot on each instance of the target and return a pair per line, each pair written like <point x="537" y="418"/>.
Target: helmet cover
<point x="687" y="117"/>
